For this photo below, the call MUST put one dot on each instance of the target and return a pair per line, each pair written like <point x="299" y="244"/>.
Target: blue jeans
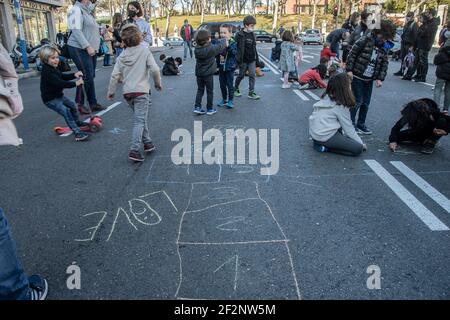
<point x="118" y="51"/>
<point x="363" y="93"/>
<point x="86" y="64"/>
<point x="14" y="283"/>
<point x="226" y="79"/>
<point x="107" y="60"/>
<point x="68" y="109"/>
<point x="140" y="106"/>
<point x="187" y="45"/>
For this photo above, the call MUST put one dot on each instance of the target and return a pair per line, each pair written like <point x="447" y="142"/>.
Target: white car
<point x="173" y="41"/>
<point x="312" y="36"/>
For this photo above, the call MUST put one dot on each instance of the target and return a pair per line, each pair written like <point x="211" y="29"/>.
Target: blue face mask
<point x="388" y="45"/>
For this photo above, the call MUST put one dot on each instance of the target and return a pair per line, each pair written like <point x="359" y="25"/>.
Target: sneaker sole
<point x="45" y="292"/>
<point x="199" y="112"/>
<point x="211" y="113"/>
<point x="135" y="159"/>
<point x="82" y="139"/>
<point x="254" y="98"/>
<point x="150" y="150"/>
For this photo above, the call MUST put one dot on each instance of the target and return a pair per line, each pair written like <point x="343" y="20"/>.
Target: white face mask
<point x="91" y="6"/>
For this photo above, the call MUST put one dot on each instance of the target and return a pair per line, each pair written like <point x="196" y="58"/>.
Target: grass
<point x="263" y="22"/>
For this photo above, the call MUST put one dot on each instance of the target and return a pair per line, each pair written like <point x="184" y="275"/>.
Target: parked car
<point x="264" y="36"/>
<point x="173" y="41"/>
<point x="214" y="27"/>
<point x="311" y="36"/>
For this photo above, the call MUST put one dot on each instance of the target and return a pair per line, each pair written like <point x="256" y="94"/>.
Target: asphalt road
<point x="160" y="231"/>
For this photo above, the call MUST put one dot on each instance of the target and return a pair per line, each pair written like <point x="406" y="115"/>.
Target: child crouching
<point x="134" y="68"/>
<point x="53" y="82"/>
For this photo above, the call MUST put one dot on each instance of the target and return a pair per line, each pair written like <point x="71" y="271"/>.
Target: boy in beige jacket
<point x="134" y="68"/>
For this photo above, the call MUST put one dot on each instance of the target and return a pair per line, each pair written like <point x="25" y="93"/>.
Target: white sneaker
<point x="286" y="86"/>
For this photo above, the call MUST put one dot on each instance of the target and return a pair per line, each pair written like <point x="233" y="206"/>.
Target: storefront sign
<point x="41" y="5"/>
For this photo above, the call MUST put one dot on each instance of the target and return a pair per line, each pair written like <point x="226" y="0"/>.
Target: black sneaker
<point x="419" y="80"/>
<point x="428" y="147"/>
<point x="407" y="78"/>
<point x="135" y="156"/>
<point x="199" y="111"/>
<point x="398" y="74"/>
<point x="38" y="288"/>
<point x="149" y="147"/>
<point x="81" y="136"/>
<point x="362" y="129"/>
<point x="98" y="107"/>
<point x="82" y="109"/>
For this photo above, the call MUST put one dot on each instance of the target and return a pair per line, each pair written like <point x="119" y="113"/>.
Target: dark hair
<point x="322" y="69"/>
<point x="324" y="60"/>
<point x="117" y="20"/>
<point x="162" y="57"/>
<point x="228" y="26"/>
<point x="416" y="113"/>
<point x="186" y="20"/>
<point x="202" y="37"/>
<point x="387" y="30"/>
<point x="131" y="35"/>
<point x="410" y="14"/>
<point x="353" y="17"/>
<point x="364" y="15"/>
<point x="287" y="36"/>
<point x="179" y="60"/>
<point x="248" y="20"/>
<point x="339" y="90"/>
<point x="138" y="6"/>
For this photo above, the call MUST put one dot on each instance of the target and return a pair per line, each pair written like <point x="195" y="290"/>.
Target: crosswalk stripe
<point x="269" y="64"/>
<point x="301" y="95"/>
<point x="407" y="197"/>
<point x="434" y="194"/>
<point x="312" y="95"/>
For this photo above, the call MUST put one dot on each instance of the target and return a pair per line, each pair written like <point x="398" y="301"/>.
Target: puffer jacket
<point x="426" y="35"/>
<point x="229" y="55"/>
<point x="442" y="60"/>
<point x="206" y="58"/>
<point x="360" y="55"/>
<point x="409" y="34"/>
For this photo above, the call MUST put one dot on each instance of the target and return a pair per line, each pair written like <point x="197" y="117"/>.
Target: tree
<point x="315" y="3"/>
<point x="167" y="6"/>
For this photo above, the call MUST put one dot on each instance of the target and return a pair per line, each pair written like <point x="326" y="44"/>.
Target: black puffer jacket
<point x="442" y="60"/>
<point x="409" y="35"/>
<point x="426" y="35"/>
<point x="359" y="31"/>
<point x="240" y="40"/>
<point x="206" y="58"/>
<point x="360" y="55"/>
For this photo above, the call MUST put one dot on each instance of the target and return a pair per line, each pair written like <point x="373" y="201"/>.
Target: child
<point x="312" y="78"/>
<point x="298" y="56"/>
<point x="227" y="66"/>
<point x="330" y="125"/>
<point x="53" y="82"/>
<point x="442" y="60"/>
<point x="326" y="52"/>
<point x="133" y="68"/>
<point x="426" y="125"/>
<point x="247" y="57"/>
<point x="287" y="62"/>
<point x="170" y="67"/>
<point x="206" y="66"/>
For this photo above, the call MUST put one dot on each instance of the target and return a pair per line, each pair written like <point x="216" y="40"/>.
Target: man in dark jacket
<point x="335" y="38"/>
<point x="206" y="66"/>
<point x="425" y="39"/>
<point x="368" y="62"/>
<point x="442" y="61"/>
<point x="360" y="30"/>
<point x="409" y="37"/>
<point x="187" y="34"/>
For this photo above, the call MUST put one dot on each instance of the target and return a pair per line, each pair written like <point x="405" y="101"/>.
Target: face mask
<point x="91" y="7"/>
<point x="132" y="13"/>
<point x="388" y="45"/>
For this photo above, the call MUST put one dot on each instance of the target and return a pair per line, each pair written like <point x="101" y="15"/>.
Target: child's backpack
<point x="408" y="61"/>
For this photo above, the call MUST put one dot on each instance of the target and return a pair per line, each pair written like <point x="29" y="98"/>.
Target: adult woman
<point x="117" y="26"/>
<point x="83" y="43"/>
<point x="135" y="14"/>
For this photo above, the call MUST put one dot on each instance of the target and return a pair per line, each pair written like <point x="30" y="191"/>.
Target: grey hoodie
<point x="84" y="29"/>
<point x="327" y="118"/>
<point x="134" y="67"/>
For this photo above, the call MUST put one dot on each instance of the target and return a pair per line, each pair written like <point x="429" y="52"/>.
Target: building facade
<point x="38" y="21"/>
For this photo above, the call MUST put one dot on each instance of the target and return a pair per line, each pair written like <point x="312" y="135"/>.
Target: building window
<point x="35" y="25"/>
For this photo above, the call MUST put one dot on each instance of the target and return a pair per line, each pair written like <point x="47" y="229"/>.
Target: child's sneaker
<point x="149" y="147"/>
<point x="319" y="147"/>
<point x="230" y="104"/>
<point x="286" y="86"/>
<point x="253" y="95"/>
<point x="198" y="110"/>
<point x="210" y="112"/>
<point x="81" y="136"/>
<point x="222" y="103"/>
<point x="304" y="86"/>
<point x="135" y="156"/>
<point x="38" y="288"/>
<point x="237" y="92"/>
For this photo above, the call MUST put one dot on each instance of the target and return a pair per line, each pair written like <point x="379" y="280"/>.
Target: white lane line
<point x="301" y="95"/>
<point x="309" y="57"/>
<point x="115" y="104"/>
<point x="410" y="200"/>
<point x="269" y="64"/>
<point x="307" y="61"/>
<point x="434" y="194"/>
<point x="313" y="95"/>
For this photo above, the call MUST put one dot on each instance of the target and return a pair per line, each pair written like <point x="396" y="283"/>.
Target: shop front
<point x="38" y="21"/>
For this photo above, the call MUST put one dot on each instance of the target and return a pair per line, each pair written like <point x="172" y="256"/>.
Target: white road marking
<point x="434" y="194"/>
<point x="313" y="95"/>
<point x="301" y="95"/>
<point x="307" y="61"/>
<point x="269" y="64"/>
<point x="410" y="200"/>
<point x="115" y="104"/>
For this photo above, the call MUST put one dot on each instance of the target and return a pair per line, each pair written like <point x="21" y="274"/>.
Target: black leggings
<point x="342" y="145"/>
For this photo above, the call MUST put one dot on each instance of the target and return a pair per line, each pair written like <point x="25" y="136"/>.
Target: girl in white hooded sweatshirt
<point x="330" y="125"/>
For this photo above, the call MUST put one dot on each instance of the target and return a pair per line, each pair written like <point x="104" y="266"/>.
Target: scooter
<point x="32" y="54"/>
